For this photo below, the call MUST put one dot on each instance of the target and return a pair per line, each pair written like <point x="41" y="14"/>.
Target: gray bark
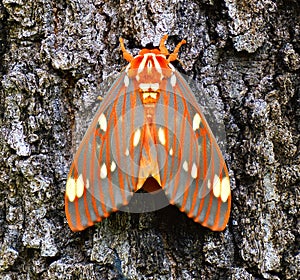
<point x="58" y="56"/>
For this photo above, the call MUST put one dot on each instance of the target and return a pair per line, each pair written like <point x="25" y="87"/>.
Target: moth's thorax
<point x="149" y="65"/>
<point x="149" y="93"/>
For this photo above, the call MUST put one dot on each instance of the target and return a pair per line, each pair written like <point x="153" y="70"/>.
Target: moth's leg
<point x="162" y="46"/>
<point x="173" y="56"/>
<point x="127" y="56"/>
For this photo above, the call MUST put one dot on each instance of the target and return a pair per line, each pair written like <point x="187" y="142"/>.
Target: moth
<point x="149" y="125"/>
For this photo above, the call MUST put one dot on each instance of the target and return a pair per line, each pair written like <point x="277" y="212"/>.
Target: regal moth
<point x="149" y="125"/>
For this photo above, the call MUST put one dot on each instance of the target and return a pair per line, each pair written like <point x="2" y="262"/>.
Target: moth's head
<point x="151" y="66"/>
<point x="150" y="70"/>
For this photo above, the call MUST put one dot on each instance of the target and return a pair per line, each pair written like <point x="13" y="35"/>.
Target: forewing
<point x="192" y="169"/>
<point x="103" y="174"/>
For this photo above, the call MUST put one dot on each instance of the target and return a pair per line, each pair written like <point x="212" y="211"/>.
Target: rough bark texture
<point x="56" y="58"/>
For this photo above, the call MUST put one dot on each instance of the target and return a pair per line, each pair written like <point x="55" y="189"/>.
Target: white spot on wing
<point x="185" y="166"/>
<point x="225" y="189"/>
<point x="196" y="122"/>
<point x="127" y="152"/>
<point x="173" y="80"/>
<point x="126" y="81"/>
<point x="208" y="184"/>
<point x="216" y="186"/>
<point x="136" y="137"/>
<point x="102" y="122"/>
<point x="162" y="136"/>
<point x="113" y="166"/>
<point x="103" y="171"/>
<point x="171" y="152"/>
<point x="87" y="183"/>
<point x="194" y="171"/>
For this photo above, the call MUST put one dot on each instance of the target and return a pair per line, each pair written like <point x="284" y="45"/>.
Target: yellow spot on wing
<point x="225" y="189"/>
<point x="70" y="189"/>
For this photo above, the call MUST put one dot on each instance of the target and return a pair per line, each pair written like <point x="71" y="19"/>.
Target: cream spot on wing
<point x="185" y="166"/>
<point x="162" y="136"/>
<point x="136" y="137"/>
<point x="126" y="81"/>
<point x="173" y="80"/>
<point x="79" y="186"/>
<point x="103" y="171"/>
<point x="127" y="152"/>
<point x="87" y="183"/>
<point x="225" y="189"/>
<point x="196" y="122"/>
<point x="171" y="152"/>
<point x="71" y="189"/>
<point x="208" y="184"/>
<point x="194" y="171"/>
<point x="102" y="122"/>
<point x="113" y="166"/>
<point x="217" y="186"/>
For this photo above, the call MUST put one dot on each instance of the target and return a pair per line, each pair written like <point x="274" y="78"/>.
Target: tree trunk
<point x="57" y="57"/>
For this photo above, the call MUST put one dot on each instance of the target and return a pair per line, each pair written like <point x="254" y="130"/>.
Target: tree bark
<point x="57" y="57"/>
